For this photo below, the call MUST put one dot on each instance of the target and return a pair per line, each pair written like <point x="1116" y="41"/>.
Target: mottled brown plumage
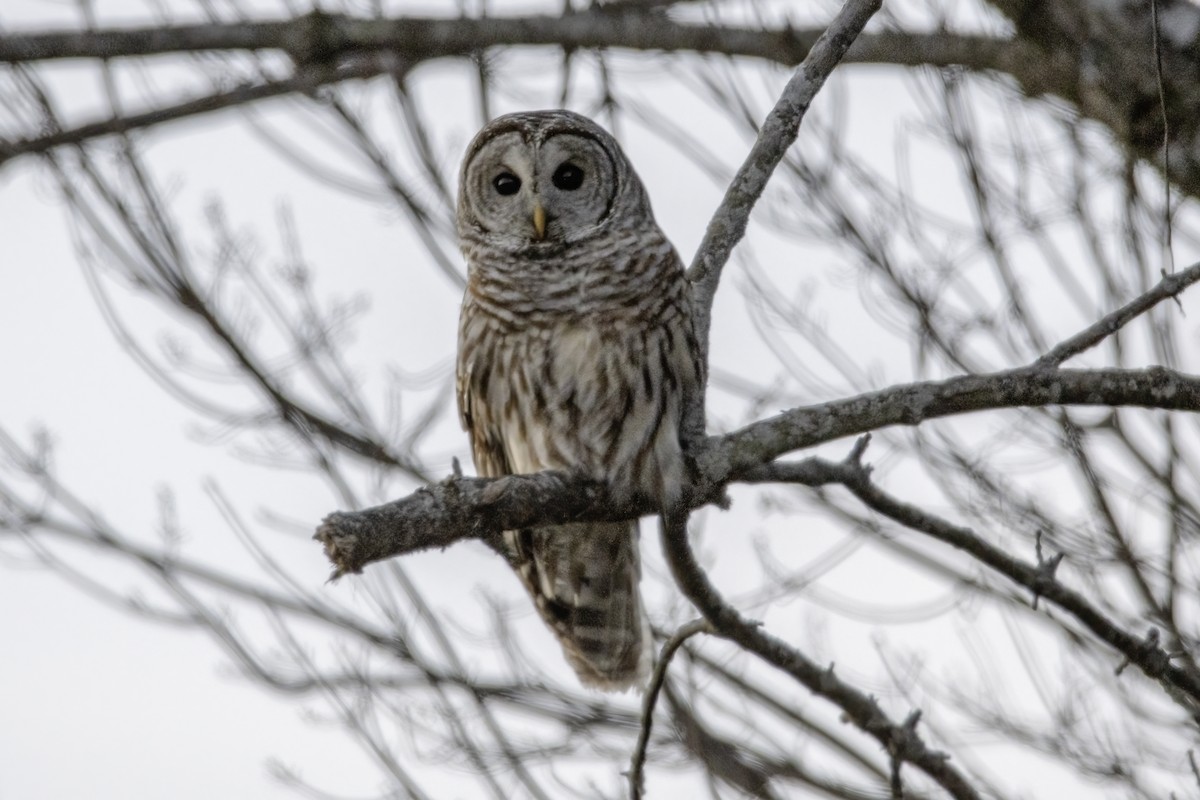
<point x="575" y="353"/>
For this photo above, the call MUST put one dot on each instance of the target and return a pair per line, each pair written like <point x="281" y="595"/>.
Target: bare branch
<point x="1170" y="286"/>
<point x="914" y="403"/>
<point x="461" y="508"/>
<point x="441" y="514"/>
<point x="901" y="740"/>
<point x="326" y="37"/>
<point x="305" y="80"/>
<point x="1145" y="653"/>
<point x="778" y="132"/>
<point x="331" y="48"/>
<point x="1114" y="86"/>
<point x="638" y="761"/>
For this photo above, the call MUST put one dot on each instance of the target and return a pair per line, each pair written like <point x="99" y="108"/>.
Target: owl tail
<point x="584" y="579"/>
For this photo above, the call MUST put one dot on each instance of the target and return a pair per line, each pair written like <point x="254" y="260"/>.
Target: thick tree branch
<point x="326" y="37"/>
<point x="326" y="45"/>
<point x="478" y="508"/>
<point x="1092" y="53"/>
<point x="911" y="404"/>
<point x="457" y="508"/>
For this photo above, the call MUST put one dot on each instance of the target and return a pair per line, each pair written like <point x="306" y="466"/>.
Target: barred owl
<point x="575" y="353"/>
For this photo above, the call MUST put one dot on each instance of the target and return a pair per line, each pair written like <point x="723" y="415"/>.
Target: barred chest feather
<point x="594" y="389"/>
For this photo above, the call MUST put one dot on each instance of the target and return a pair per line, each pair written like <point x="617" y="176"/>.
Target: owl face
<point x="538" y="180"/>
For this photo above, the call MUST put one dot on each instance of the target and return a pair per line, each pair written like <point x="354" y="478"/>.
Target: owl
<point x="575" y="353"/>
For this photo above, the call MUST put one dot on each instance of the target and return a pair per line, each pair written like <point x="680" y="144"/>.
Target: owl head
<point x="534" y="181"/>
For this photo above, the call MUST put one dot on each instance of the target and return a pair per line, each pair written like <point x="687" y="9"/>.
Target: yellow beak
<point x="539" y="220"/>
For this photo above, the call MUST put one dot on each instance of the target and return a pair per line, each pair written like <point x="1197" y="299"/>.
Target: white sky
<point x="98" y="705"/>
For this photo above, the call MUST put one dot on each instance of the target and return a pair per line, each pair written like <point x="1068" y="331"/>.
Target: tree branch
<point x="729" y="456"/>
<point x="479" y="508"/>
<point x="1113" y="83"/>
<point x="305" y="80"/>
<point x="1039" y="578"/>
<point x="317" y="37"/>
<point x="1170" y="286"/>
<point x="638" y="762"/>
<point x="330" y="48"/>
<point x="778" y="132"/>
<point x="900" y="740"/>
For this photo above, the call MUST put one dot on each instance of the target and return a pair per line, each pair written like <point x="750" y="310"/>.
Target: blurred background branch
<point x="982" y="181"/>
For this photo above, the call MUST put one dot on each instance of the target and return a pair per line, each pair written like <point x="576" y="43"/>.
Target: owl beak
<point x="539" y="221"/>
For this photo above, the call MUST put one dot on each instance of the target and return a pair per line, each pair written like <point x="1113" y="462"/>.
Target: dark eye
<point x="568" y="177"/>
<point x="506" y="183"/>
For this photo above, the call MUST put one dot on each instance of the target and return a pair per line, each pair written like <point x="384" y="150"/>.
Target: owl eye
<point x="567" y="177"/>
<point x="506" y="183"/>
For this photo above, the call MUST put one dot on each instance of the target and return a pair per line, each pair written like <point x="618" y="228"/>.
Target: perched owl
<point x="575" y="353"/>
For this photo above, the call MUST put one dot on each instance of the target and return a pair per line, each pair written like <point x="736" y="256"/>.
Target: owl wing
<point x="476" y="418"/>
<point x="472" y="375"/>
<point x="487" y="447"/>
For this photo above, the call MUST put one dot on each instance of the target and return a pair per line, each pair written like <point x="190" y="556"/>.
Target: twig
<point x="638" y="762"/>
<point x="1045" y="569"/>
<point x="1170" y="286"/>
<point x="807" y="472"/>
<point x="1166" y="142"/>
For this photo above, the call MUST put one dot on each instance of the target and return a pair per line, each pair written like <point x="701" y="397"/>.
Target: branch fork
<point x="1044" y="579"/>
<point x="903" y="742"/>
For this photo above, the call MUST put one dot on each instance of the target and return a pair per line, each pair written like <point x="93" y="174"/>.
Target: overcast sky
<point x="97" y="704"/>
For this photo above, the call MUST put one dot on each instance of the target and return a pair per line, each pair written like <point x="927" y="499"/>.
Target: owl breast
<point x="586" y="393"/>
